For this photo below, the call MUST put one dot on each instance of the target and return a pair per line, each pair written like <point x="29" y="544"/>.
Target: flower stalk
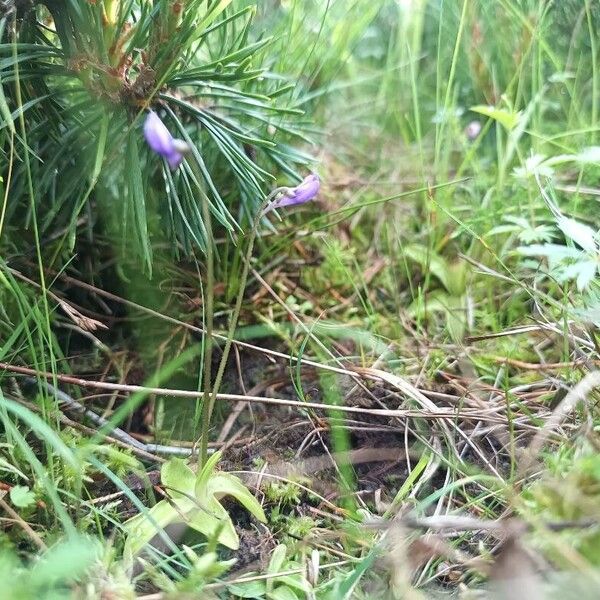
<point x="271" y="202"/>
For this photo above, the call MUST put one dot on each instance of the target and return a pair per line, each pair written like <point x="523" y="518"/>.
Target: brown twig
<point x="35" y="538"/>
<point x="431" y="412"/>
<point x="527" y="366"/>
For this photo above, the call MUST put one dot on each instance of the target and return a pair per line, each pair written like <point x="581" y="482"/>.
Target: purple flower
<point x="303" y="192"/>
<point x="473" y="129"/>
<point x="162" y="142"/>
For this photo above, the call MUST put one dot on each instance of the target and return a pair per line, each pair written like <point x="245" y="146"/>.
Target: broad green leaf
<point x="225" y="484"/>
<point x="178" y="478"/>
<point x="213" y="520"/>
<point x="295" y="582"/>
<point x="456" y="319"/>
<point x="457" y="278"/>
<point x="508" y="119"/>
<point x="281" y="592"/>
<point x="275" y="564"/>
<point x="21" y="496"/>
<point x="428" y="259"/>
<point x="143" y="527"/>
<point x="251" y="589"/>
<point x="452" y="307"/>
<point x="194" y="501"/>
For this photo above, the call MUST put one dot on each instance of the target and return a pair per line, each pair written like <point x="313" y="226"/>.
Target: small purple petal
<point x="157" y="135"/>
<point x="162" y="142"/>
<point x="304" y="192"/>
<point x="174" y="159"/>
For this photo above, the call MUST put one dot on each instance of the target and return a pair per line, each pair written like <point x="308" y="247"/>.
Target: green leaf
<point x="143" y="527"/>
<point x="251" y="589"/>
<point x="207" y="565"/>
<point x="5" y="110"/>
<point x="452" y="307"/>
<point x="178" y="478"/>
<point x="212" y="520"/>
<point x="205" y="473"/>
<point x="282" y="593"/>
<point x="429" y="260"/>
<point x="508" y="119"/>
<point x="21" y="496"/>
<point x="225" y="484"/>
<point x="295" y="582"/>
<point x="456" y="321"/>
<point x="217" y="8"/>
<point x="346" y="587"/>
<point x="457" y="284"/>
<point x="275" y="564"/>
<point x="194" y="500"/>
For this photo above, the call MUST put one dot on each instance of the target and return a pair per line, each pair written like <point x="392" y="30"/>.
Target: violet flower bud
<point x="162" y="142"/>
<point x="473" y="129"/>
<point x="305" y="191"/>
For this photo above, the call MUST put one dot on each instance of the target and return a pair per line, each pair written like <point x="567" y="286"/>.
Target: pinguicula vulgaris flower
<point x="304" y="192"/>
<point x="162" y="142"/>
<point x="473" y="129"/>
